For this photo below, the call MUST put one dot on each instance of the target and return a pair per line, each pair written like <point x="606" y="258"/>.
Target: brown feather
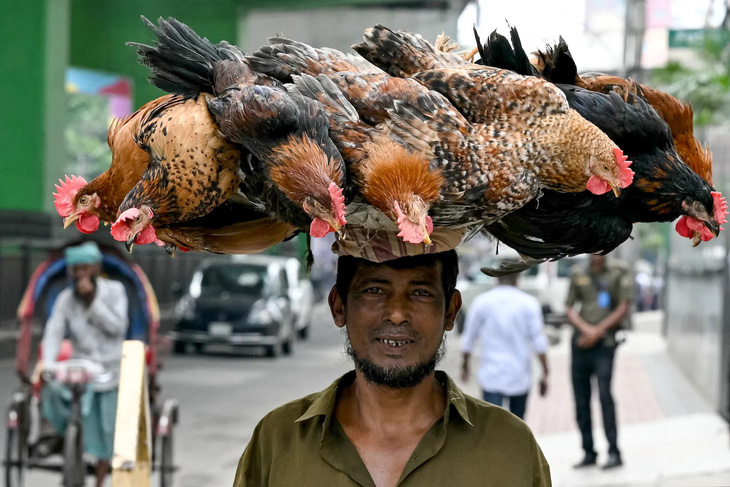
<point x="394" y="174"/>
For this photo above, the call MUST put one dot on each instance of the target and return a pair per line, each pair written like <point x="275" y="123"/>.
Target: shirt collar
<point x="324" y="402"/>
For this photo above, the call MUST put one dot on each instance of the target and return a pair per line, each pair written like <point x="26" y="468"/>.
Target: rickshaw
<point x="30" y="441"/>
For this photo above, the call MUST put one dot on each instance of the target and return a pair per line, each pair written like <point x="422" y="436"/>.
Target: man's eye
<point x="373" y="290"/>
<point x="422" y="292"/>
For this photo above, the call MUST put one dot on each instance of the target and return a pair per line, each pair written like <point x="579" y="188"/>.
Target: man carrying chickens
<point x="393" y="420"/>
<point x="604" y="292"/>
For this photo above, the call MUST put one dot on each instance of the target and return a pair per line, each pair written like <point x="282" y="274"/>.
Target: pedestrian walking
<point x="604" y="292"/>
<point x="508" y="324"/>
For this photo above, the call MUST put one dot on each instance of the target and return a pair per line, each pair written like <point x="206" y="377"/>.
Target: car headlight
<point x="260" y="316"/>
<point x="185" y="309"/>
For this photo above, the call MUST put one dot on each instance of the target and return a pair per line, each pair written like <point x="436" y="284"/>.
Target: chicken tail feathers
<point x="284" y="58"/>
<point x="401" y="53"/>
<point x="559" y="66"/>
<point x="182" y="61"/>
<point x="498" y="53"/>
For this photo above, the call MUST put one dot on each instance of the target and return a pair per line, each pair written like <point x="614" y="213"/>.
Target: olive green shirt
<point x="301" y="444"/>
<point x="585" y="288"/>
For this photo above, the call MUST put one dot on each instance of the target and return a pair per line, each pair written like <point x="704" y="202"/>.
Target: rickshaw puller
<point x="93" y="315"/>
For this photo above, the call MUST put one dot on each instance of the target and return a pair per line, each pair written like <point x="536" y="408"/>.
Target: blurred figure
<point x="508" y="323"/>
<point x="92" y="314"/>
<point x="603" y="291"/>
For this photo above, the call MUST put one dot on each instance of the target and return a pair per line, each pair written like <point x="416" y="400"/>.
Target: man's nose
<point x="397" y="309"/>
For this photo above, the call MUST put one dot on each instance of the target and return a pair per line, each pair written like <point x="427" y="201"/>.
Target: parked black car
<point x="241" y="303"/>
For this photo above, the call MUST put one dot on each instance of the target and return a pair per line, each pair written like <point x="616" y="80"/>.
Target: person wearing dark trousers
<point x="508" y="323"/>
<point x="603" y="292"/>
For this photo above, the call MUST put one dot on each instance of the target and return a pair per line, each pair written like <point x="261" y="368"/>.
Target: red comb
<point x="338" y="201"/>
<point x="65" y="192"/>
<point x="120" y="230"/>
<point x="623" y="163"/>
<point x="408" y="231"/>
<point x="720" y="205"/>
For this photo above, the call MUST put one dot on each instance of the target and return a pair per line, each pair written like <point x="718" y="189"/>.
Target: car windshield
<point x="234" y="279"/>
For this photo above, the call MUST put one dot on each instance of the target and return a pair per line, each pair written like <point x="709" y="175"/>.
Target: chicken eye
<point x="137" y="219"/>
<point x="84" y="200"/>
<point x="605" y="168"/>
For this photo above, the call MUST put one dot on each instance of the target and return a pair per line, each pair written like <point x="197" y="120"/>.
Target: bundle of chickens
<point x="404" y="138"/>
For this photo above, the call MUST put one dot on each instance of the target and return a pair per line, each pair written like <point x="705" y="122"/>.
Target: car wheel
<point x="179" y="348"/>
<point x="273" y="351"/>
<point x="288" y="346"/>
<point x="303" y="333"/>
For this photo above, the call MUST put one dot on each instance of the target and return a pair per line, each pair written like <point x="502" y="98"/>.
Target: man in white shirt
<point x="92" y="313"/>
<point x="508" y="323"/>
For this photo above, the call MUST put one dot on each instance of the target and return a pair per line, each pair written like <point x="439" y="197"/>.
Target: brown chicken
<point x="297" y="170"/>
<point x="87" y="204"/>
<point x="191" y="171"/>
<point x="488" y="168"/>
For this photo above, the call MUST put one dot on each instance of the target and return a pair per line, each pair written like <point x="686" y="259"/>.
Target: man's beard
<point x="397" y="376"/>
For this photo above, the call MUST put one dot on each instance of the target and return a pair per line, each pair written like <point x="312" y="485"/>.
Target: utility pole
<point x="634" y="27"/>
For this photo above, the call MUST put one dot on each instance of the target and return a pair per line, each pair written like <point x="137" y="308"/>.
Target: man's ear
<point x="337" y="307"/>
<point x="452" y="310"/>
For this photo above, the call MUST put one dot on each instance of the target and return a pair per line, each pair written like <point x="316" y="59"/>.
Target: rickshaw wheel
<point x="74" y="468"/>
<point x="13" y="459"/>
<point x="167" y="467"/>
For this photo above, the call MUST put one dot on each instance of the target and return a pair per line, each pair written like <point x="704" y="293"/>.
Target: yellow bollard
<point x="132" y="436"/>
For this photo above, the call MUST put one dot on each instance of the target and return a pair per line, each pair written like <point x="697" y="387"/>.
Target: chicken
<point x="558" y="224"/>
<point x="700" y="221"/>
<point x="231" y="228"/>
<point x="191" y="171"/>
<point x="288" y="136"/>
<point x="487" y="170"/>
<point x="87" y="204"/>
<point x="571" y="152"/>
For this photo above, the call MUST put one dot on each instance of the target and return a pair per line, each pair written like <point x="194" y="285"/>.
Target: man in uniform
<point x="604" y="294"/>
<point x="394" y="420"/>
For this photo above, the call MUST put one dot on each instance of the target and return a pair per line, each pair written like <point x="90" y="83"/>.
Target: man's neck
<point x="377" y="407"/>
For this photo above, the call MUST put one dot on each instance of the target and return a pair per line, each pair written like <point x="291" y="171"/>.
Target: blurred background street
<point x="669" y="434"/>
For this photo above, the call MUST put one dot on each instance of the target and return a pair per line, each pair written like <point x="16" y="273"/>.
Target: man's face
<point x="84" y="271"/>
<point x="395" y="318"/>
<point x="597" y="262"/>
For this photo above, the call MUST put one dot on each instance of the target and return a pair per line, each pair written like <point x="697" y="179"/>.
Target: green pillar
<point x="35" y="35"/>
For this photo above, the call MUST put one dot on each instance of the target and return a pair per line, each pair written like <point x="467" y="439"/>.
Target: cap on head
<point x="86" y="253"/>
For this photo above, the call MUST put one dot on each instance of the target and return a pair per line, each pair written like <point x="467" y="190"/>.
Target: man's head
<point x="597" y="262"/>
<point x="508" y="279"/>
<point x="396" y="314"/>
<point x="83" y="261"/>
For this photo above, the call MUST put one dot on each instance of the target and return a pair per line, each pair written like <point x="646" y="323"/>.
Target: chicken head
<point x="610" y="175"/>
<point x="134" y="226"/>
<point x="74" y="205"/>
<point x="698" y="224"/>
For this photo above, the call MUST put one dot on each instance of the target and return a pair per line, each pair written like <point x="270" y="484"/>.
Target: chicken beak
<point x="713" y="227"/>
<point x="171" y="249"/>
<point x="696" y="238"/>
<point x="426" y="238"/>
<point x="129" y="244"/>
<point x="69" y="220"/>
<point x="616" y="190"/>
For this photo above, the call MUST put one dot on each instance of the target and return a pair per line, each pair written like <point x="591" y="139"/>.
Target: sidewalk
<point x="669" y="434"/>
